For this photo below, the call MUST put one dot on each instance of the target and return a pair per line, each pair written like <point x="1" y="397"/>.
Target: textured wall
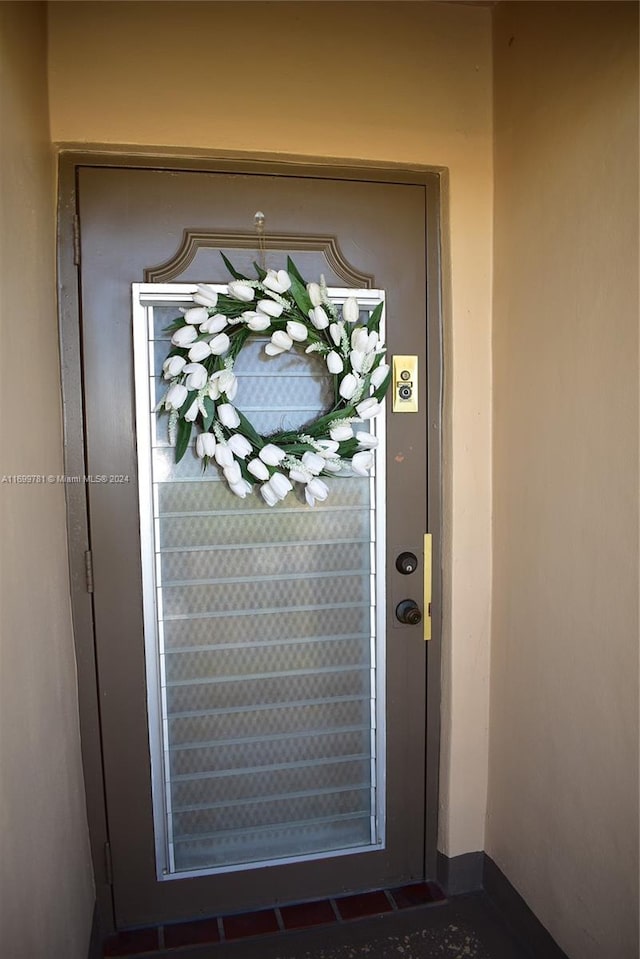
<point x="563" y="816"/>
<point x="407" y="82"/>
<point x="46" y="892"/>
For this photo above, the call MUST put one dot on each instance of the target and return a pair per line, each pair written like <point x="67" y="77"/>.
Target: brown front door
<point x="273" y="741"/>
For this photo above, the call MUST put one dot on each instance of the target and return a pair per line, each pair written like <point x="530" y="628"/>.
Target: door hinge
<point x="76" y="240"/>
<point x="108" y="866"/>
<point x="88" y="570"/>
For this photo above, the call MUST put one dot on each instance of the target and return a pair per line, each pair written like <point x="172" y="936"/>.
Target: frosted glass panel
<point x="264" y="653"/>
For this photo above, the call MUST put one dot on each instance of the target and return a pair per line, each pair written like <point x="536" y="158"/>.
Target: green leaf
<point x="348" y="447"/>
<point x="261" y="273"/>
<point x="231" y="268"/>
<point x="247" y="429"/>
<point x="320" y="425"/>
<point x="292" y="270"/>
<point x="239" y="337"/>
<point x="229" y="307"/>
<point x="182" y="439"/>
<point x="374" y="319"/>
<point x="210" y="407"/>
<point x="382" y="389"/>
<point x="299" y="293"/>
<point x="175" y="325"/>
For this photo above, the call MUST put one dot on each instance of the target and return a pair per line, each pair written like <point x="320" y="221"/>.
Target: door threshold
<point x="165" y="940"/>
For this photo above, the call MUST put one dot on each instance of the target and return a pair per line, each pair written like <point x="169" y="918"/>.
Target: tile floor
<point x="411" y="922"/>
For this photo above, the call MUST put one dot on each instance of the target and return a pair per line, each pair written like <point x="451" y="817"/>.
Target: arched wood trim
<point x="195" y="240"/>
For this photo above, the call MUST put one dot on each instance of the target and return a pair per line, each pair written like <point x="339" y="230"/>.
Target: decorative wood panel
<point x="195" y="240"/>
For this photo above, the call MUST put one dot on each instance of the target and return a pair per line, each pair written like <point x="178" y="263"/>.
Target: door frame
<point x="70" y="159"/>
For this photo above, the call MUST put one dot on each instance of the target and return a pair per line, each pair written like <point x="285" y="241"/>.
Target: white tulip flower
<point x="334" y="362"/>
<point x="364" y="341"/>
<point x="228" y="415"/>
<point x="193" y="411"/>
<point x="257" y="468"/>
<point x="357" y="360"/>
<point x="241" y="290"/>
<point x="379" y="375"/>
<point x="256" y="321"/>
<point x="334" y="465"/>
<point x="223" y="455"/>
<point x="280" y="343"/>
<point x="196" y="315"/>
<point x="206" y="296"/>
<point x="176" y="395"/>
<point x="184" y="336"/>
<point x="315" y="294"/>
<point x="349" y="386"/>
<point x="173" y="366"/>
<point x="271" y="454"/>
<point x="350" y="310"/>
<point x="271" y="308"/>
<point x="368" y="408"/>
<point x="280" y="485"/>
<point x="336" y="331"/>
<point x="205" y="445"/>
<point x="219" y="344"/>
<point x="297" y="331"/>
<point x="199" y="351"/>
<point x="223" y="381"/>
<point x="328" y="448"/>
<point x="316" y="489"/>
<point x="367" y="440"/>
<point x="279" y="281"/>
<point x="268" y="495"/>
<point x="362" y="462"/>
<point x="197" y="376"/>
<point x="240" y="445"/>
<point x="319" y="318"/>
<point x="313" y="462"/>
<point x="341" y="432"/>
<point x="232" y="473"/>
<point x="300" y="475"/>
<point x="241" y="488"/>
<point x="214" y="324"/>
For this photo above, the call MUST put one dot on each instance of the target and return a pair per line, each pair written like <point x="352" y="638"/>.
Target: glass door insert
<point x="264" y="629"/>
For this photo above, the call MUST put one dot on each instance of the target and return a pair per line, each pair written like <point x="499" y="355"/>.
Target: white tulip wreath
<point x="206" y="341"/>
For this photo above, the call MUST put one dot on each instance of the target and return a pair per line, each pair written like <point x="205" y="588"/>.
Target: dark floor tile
<point x="250" y="924"/>
<point x="132" y="943"/>
<point x="417" y="894"/>
<point x="307" y="914"/>
<point x="191" y="933"/>
<point x="364" y="904"/>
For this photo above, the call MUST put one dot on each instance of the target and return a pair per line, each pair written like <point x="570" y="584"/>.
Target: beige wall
<point x="46" y="891"/>
<point x="562" y="814"/>
<point x="408" y="82"/>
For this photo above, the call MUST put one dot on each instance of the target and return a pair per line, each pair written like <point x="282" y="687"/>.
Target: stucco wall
<point x="405" y="82"/>
<point x="563" y="785"/>
<point x="46" y="890"/>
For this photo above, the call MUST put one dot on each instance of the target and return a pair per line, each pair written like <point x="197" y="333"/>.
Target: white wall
<point x="46" y="890"/>
<point x="563" y="787"/>
<point x="405" y="82"/>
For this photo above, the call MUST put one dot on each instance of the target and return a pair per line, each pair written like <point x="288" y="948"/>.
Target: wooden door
<point x="168" y="227"/>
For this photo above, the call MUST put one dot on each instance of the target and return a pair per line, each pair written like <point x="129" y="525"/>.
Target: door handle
<point x="428" y="566"/>
<point x="408" y="612"/>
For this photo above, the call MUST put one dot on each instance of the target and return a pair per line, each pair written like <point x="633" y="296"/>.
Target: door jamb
<point x="70" y="158"/>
